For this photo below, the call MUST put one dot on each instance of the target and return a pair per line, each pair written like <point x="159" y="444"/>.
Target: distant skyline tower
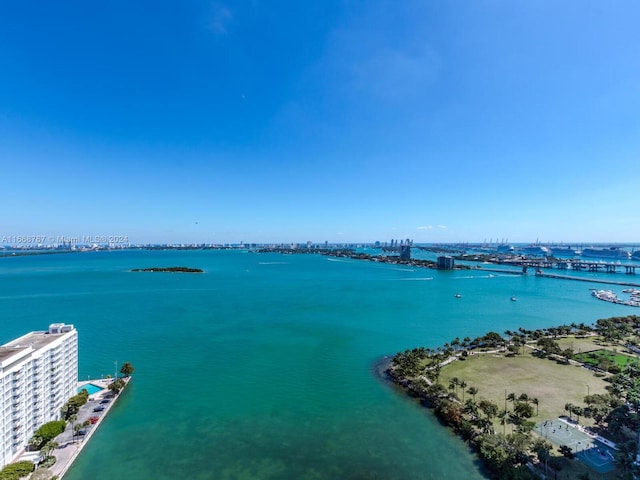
<point x="446" y="262"/>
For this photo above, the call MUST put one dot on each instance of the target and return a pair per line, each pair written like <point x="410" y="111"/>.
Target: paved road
<point x="70" y="446"/>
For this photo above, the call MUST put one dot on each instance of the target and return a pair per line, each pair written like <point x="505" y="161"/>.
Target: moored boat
<point x="614" y="253"/>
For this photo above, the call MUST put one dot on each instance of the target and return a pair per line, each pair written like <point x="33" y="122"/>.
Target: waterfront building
<point x="446" y="263"/>
<point x="38" y="374"/>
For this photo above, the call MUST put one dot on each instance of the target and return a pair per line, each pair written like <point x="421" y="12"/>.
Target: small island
<point x="169" y="269"/>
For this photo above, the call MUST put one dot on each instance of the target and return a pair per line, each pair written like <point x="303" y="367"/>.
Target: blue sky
<point x="200" y="121"/>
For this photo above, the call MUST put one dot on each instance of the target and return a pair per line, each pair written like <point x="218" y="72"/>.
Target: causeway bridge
<point x="576" y="265"/>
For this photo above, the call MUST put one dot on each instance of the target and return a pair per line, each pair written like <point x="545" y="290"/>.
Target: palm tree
<point x="463" y="385"/>
<point x="455" y="381"/>
<point x="503" y="416"/>
<point x="578" y="411"/>
<point x="452" y="385"/>
<point x="72" y="421"/>
<point x="473" y="391"/>
<point x="568" y="407"/>
<point x="535" y="401"/>
<point x="127" y="369"/>
<point x="48" y="447"/>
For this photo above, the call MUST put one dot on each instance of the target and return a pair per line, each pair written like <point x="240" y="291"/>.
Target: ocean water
<point x="264" y="367"/>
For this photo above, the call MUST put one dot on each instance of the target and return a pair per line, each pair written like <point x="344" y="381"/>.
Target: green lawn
<point x="553" y="384"/>
<point x="579" y="344"/>
<point x="595" y="357"/>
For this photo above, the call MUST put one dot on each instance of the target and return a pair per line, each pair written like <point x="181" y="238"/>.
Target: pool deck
<point x="69" y="448"/>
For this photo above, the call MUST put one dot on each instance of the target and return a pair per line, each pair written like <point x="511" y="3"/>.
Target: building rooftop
<point x="33" y="340"/>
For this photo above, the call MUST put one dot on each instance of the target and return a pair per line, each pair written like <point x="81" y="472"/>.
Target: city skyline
<point x="229" y="122"/>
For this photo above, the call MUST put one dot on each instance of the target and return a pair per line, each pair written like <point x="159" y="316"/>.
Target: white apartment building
<point x="38" y="374"/>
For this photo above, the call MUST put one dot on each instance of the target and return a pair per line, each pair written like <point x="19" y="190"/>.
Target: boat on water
<point x="505" y="248"/>
<point x="564" y="251"/>
<point x="513" y="299"/>
<point x="609" y="253"/>
<point x="535" y="249"/>
<point x="610" y="296"/>
<point x="457" y="295"/>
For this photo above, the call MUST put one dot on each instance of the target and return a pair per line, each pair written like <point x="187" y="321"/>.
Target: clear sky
<point x="287" y="120"/>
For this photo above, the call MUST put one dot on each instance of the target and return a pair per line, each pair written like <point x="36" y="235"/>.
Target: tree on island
<point x="127" y="369"/>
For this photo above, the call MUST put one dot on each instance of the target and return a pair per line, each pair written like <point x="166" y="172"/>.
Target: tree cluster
<point x="73" y="405"/>
<point x="116" y="385"/>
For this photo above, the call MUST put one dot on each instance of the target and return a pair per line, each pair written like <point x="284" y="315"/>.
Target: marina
<point x="610" y="296"/>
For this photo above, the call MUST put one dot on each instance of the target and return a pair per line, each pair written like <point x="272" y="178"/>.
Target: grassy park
<point x="596" y="357"/>
<point x="498" y="392"/>
<point x="553" y="384"/>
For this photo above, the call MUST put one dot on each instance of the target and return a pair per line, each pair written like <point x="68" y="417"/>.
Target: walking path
<point x="70" y="446"/>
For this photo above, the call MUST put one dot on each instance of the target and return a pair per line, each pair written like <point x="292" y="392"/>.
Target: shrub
<point x="14" y="471"/>
<point x="49" y="461"/>
<point x="46" y="432"/>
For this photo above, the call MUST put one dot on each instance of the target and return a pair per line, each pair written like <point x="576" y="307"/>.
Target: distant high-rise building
<point x="38" y="374"/>
<point x="445" y="263"/>
<point x="405" y="252"/>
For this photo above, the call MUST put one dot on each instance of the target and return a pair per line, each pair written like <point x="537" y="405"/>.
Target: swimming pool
<point x="91" y="388"/>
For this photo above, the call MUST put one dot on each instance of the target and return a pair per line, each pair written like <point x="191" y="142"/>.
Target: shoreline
<point x="65" y="454"/>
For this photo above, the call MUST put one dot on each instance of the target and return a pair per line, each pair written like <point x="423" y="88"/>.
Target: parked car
<point x="82" y="431"/>
<point x="99" y="408"/>
<point x="105" y="400"/>
<point x="93" y="420"/>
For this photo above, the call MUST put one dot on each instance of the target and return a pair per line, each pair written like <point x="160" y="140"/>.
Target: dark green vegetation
<point x="615" y="414"/>
<point x="46" y="432"/>
<point x="116" y="386"/>
<point x="17" y="470"/>
<point x="169" y="269"/>
<point x="74" y="403"/>
<point x="127" y="369"/>
<point x="604" y="360"/>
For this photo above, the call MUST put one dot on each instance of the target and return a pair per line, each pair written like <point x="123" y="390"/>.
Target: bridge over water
<point x="576" y="265"/>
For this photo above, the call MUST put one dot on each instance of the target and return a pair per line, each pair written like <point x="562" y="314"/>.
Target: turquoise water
<point x="91" y="388"/>
<point x="264" y="366"/>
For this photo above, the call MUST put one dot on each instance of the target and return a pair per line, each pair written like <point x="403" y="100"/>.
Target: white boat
<point x="505" y="248"/>
<point x="610" y="253"/>
<point x="513" y="299"/>
<point x="535" y="249"/>
<point x="457" y="295"/>
<point x="564" y="251"/>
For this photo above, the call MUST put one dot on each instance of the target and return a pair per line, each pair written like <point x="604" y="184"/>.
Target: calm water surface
<point x="264" y="366"/>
